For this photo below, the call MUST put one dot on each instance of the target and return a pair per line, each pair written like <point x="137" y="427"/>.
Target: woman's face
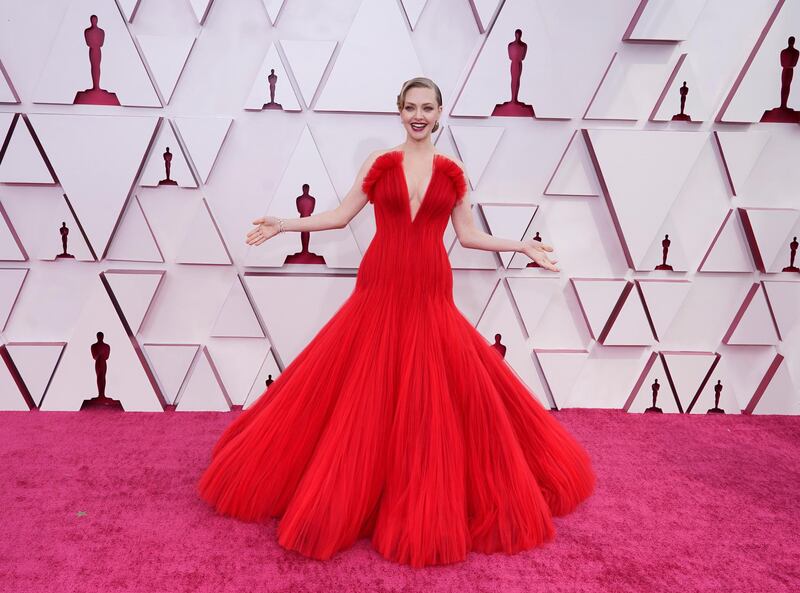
<point x="420" y="111"/>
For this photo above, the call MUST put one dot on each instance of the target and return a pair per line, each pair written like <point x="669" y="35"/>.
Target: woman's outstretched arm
<point x="336" y="218"/>
<point x="470" y="236"/>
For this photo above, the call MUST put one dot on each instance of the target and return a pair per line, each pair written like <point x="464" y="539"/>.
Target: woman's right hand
<point x="266" y="228"/>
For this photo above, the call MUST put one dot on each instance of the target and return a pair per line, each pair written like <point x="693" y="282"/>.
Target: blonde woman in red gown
<point x="398" y="421"/>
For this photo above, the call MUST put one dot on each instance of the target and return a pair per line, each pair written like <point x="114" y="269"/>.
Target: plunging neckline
<point x="408" y="190"/>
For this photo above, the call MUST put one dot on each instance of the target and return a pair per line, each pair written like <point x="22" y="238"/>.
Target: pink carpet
<point x="103" y="501"/>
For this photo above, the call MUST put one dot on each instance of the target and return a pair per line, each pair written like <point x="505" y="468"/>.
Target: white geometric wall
<point x="197" y="320"/>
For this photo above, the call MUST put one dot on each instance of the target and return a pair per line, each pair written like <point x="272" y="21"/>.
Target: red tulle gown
<point x="398" y="421"/>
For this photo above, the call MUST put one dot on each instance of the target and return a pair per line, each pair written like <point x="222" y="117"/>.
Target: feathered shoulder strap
<point x="379" y="166"/>
<point x="453" y="171"/>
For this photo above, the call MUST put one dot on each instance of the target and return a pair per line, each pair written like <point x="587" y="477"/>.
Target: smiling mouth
<point x="418" y="126"/>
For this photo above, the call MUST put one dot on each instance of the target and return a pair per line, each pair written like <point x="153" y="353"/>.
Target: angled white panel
<point x="665" y="20"/>
<point x="68" y="70"/>
<point x="630" y="327"/>
<point x="632" y="84"/>
<point x="779" y="395"/>
<point x="96" y="159"/>
<point x="202" y="242"/>
<point x="729" y="251"/>
<point x="661" y="161"/>
<point x="58" y="223"/>
<point x="413" y="8"/>
<point x="11" y="248"/>
<point x="784" y="302"/>
<point x="166" y="56"/>
<point x="170" y="364"/>
<point x="128" y="8"/>
<point x="687" y="371"/>
<point x="663" y="299"/>
<point x="685" y="81"/>
<point x="772" y="232"/>
<point x="532" y="297"/>
<point x="508" y="221"/>
<point x="485" y="12"/>
<point x="740" y="152"/>
<point x="167" y="148"/>
<point x="134" y="239"/>
<point x="553" y="82"/>
<point x="200" y="9"/>
<point x="36" y="362"/>
<point x="753" y="324"/>
<point x="203" y="390"/>
<point x="756" y="92"/>
<point x="653" y="381"/>
<point x="22" y="161"/>
<point x="267" y="374"/>
<point x="476" y="145"/>
<point x="561" y="369"/>
<point x="236" y="318"/>
<point x="308" y="59"/>
<point x="273" y="8"/>
<point x="724" y="382"/>
<point x="314" y="300"/>
<point x="11" y="398"/>
<point x="238" y="361"/>
<point x="574" y="175"/>
<point x="203" y="137"/>
<point x="75" y="379"/>
<point x="7" y="93"/>
<point x="597" y="298"/>
<point x="135" y="290"/>
<point x="500" y="318"/>
<point x="378" y="45"/>
<point x="11" y="280"/>
<point x="337" y="246"/>
<point x="259" y="97"/>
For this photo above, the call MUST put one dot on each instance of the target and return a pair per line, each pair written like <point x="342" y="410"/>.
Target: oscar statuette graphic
<point x="655" y="409"/>
<point x="717" y="392"/>
<point x="64" y="231"/>
<point x="684" y="91"/>
<point x="784" y="113"/>
<point x="305" y="206"/>
<point x="792" y="256"/>
<point x="273" y="80"/>
<point x="167" y="165"/>
<point x="95" y="36"/>
<point x="101" y="352"/>
<point x="664" y="250"/>
<point x="517" y="50"/>
<point x="501" y="348"/>
<point x="533" y="264"/>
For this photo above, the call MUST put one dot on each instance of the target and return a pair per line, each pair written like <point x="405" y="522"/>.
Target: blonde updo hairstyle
<point x="419" y="82"/>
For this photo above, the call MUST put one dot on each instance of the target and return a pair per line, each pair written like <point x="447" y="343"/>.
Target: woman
<point x="399" y="421"/>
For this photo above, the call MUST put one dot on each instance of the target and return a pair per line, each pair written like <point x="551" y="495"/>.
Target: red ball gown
<point x="398" y="421"/>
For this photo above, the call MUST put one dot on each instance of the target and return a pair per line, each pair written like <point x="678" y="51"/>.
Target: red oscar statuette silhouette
<point x="501" y="348"/>
<point x="64" y="232"/>
<point x="101" y="352"/>
<point x="515" y="108"/>
<point x="664" y="250"/>
<point x="784" y="113"/>
<point x="167" y="165"/>
<point x="305" y="206"/>
<point x="533" y="264"/>
<point x="273" y="80"/>
<point x="684" y="90"/>
<point x="655" y="409"/>
<point x="792" y="255"/>
<point x="95" y="37"/>
<point x="717" y="392"/>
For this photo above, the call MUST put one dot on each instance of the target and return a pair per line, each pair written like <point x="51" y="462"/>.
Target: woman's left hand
<point x="537" y="251"/>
